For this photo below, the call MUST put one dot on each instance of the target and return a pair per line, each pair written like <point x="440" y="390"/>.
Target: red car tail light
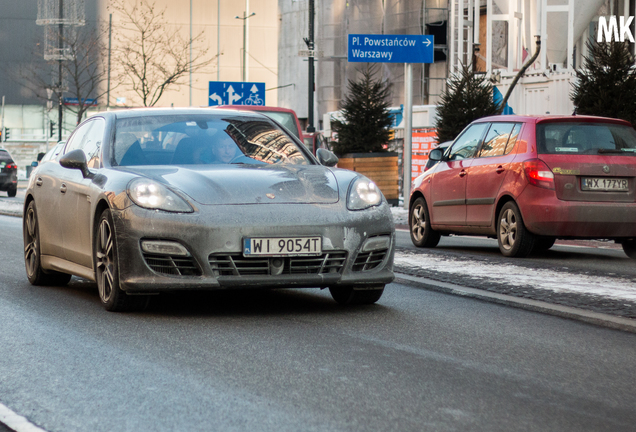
<point x="11" y="166"/>
<point x="538" y="174"/>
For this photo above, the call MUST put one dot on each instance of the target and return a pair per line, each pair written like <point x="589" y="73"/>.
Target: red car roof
<point x="552" y="118"/>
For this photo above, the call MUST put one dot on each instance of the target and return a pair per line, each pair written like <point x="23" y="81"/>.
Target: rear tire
<point x="32" y="263"/>
<point x="422" y="235"/>
<point x="113" y="298"/>
<point x="348" y="295"/>
<point x="543" y="243"/>
<point x="629" y="246"/>
<point x="514" y="239"/>
<point x="12" y="192"/>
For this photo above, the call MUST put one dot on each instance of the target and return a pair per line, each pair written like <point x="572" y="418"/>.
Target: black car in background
<point x="8" y="174"/>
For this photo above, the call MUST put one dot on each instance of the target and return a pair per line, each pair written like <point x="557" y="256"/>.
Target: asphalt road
<point x="292" y="360"/>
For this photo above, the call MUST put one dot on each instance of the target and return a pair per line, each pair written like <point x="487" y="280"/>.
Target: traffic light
<point x="52" y="125"/>
<point x="7" y="133"/>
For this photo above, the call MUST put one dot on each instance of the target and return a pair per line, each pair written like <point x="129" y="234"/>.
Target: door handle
<point x="63" y="188"/>
<point x="500" y="169"/>
<point x="38" y="182"/>
<point x="462" y="173"/>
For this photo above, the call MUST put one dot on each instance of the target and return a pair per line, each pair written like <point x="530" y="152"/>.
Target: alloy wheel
<point x="508" y="229"/>
<point x="418" y="222"/>
<point x="31" y="248"/>
<point x="105" y="255"/>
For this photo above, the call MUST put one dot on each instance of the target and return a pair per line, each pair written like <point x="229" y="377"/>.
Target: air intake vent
<point x="172" y="265"/>
<point x="237" y="265"/>
<point x="369" y="260"/>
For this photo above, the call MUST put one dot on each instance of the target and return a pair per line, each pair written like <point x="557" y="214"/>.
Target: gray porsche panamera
<point x="149" y="200"/>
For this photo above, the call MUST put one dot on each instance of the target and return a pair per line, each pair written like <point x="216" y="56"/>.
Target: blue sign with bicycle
<point x="236" y="93"/>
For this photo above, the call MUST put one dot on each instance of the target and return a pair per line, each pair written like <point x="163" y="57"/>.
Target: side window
<point x="93" y="142"/>
<point x="496" y="140"/>
<point x="514" y="135"/>
<point x="76" y="140"/>
<point x="465" y="146"/>
<point x="88" y="138"/>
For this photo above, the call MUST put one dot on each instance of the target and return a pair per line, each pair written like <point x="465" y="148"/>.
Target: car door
<point x="448" y="185"/>
<point x="76" y="200"/>
<point x="486" y="173"/>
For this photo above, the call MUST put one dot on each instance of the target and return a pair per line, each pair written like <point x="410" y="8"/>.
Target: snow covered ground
<point x="514" y="275"/>
<point x="400" y="215"/>
<point x="519" y="276"/>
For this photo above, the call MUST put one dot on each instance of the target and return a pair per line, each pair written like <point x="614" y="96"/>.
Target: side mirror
<point x="76" y="159"/>
<point x="436" y="155"/>
<point x="326" y="158"/>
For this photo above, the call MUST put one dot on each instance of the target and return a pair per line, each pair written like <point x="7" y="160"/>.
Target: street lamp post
<point x="245" y="17"/>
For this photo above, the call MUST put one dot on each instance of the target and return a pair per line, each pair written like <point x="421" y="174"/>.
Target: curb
<point x="599" y="319"/>
<point x="8" y="213"/>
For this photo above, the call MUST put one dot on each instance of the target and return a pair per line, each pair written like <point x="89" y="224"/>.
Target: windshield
<point x="202" y="139"/>
<point x="585" y="138"/>
<point x="286" y="119"/>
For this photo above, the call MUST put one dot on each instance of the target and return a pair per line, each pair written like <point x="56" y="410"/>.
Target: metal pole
<point x="2" y="121"/>
<point x="244" y="37"/>
<point x="110" y="33"/>
<point x="218" y="40"/>
<point x="59" y="83"/>
<point x="246" y="44"/>
<point x="310" y="95"/>
<point x="190" y="53"/>
<point x="408" y="133"/>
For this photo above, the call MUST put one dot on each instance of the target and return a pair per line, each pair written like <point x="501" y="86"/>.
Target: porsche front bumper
<point x="213" y="237"/>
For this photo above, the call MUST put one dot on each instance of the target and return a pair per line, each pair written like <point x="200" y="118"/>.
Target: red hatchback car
<point x="530" y="180"/>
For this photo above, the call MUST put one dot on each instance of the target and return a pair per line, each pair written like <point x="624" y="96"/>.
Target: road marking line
<point x="17" y="422"/>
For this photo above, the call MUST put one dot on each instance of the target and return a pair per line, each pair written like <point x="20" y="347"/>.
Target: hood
<point x="249" y="184"/>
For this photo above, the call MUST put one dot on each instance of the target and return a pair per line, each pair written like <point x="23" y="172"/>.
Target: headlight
<point x="363" y="193"/>
<point x="150" y="194"/>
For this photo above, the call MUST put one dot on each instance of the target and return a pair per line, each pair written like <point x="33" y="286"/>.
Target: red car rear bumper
<point x="544" y="214"/>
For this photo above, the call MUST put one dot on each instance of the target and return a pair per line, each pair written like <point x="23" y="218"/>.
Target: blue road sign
<point x="390" y="48"/>
<point x="75" y="101"/>
<point x="236" y="93"/>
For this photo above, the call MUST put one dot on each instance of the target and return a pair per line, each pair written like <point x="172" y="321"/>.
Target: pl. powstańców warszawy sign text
<point x="390" y="48"/>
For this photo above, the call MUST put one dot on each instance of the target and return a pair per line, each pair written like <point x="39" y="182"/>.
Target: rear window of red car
<point x="585" y="138"/>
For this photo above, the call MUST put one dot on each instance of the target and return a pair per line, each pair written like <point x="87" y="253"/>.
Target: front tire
<point x="113" y="298"/>
<point x="32" y="263"/>
<point x="348" y="295"/>
<point x="422" y="235"/>
<point x="513" y="237"/>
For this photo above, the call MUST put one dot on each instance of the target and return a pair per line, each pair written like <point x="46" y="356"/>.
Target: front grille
<point x="237" y="265"/>
<point x="172" y="264"/>
<point x="369" y="260"/>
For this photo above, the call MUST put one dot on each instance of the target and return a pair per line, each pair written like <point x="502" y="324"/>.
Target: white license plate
<point x="282" y="246"/>
<point x="604" y="184"/>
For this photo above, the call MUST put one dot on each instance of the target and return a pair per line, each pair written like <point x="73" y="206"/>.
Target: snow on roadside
<point x="559" y="282"/>
<point x="400" y="215"/>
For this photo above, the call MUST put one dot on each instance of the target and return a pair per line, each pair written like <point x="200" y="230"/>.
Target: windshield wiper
<point x="610" y="151"/>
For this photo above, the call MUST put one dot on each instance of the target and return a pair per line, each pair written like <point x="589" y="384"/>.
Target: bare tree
<point x="150" y="57"/>
<point x="84" y="72"/>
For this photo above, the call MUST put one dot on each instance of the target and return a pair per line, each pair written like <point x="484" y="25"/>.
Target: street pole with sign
<point x="407" y="49"/>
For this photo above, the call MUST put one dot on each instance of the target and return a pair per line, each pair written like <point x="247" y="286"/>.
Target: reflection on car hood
<point x="249" y="184"/>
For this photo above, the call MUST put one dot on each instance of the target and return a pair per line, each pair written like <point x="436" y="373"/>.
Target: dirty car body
<point x="174" y="199"/>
